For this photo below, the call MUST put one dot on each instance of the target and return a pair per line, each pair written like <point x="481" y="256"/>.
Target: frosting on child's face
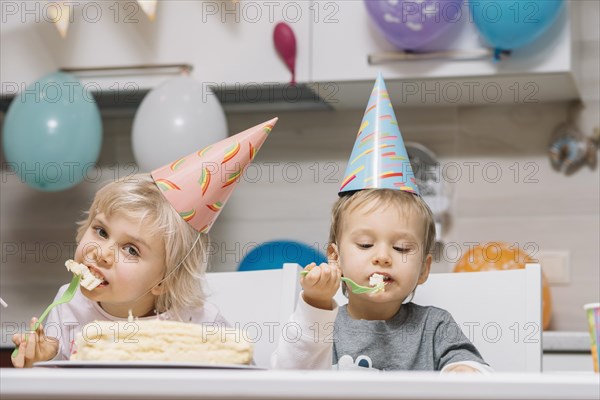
<point x="118" y="250"/>
<point x="383" y="240"/>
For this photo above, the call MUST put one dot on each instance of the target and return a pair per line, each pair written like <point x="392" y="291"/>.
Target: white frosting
<point x="376" y="279"/>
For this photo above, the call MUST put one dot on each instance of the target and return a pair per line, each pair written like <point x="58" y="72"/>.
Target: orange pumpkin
<point x="502" y="256"/>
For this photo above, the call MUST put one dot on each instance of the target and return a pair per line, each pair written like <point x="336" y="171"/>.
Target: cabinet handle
<point x="457" y="55"/>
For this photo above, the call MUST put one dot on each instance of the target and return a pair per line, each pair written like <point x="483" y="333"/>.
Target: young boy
<point x="380" y="225"/>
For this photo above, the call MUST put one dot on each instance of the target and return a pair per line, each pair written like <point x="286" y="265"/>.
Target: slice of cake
<point x="88" y="280"/>
<point x="159" y="340"/>
<point x="377" y="280"/>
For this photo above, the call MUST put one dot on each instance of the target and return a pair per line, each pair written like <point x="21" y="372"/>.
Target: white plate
<point x="139" y="364"/>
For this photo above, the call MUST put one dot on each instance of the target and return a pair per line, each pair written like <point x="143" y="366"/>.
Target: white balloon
<point x="175" y="119"/>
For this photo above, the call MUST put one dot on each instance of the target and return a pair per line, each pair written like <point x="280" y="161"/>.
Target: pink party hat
<point x="199" y="185"/>
<point x="379" y="159"/>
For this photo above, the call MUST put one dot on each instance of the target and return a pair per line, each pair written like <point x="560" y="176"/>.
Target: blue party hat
<point x="379" y="159"/>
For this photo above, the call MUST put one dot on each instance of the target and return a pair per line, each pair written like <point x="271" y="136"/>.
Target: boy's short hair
<point x="406" y="201"/>
<point x="137" y="197"/>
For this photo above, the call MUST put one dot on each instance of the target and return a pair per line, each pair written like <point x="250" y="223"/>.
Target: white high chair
<point x="260" y="302"/>
<point x="499" y="311"/>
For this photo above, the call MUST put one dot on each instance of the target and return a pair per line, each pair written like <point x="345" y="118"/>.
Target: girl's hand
<point x="37" y="347"/>
<point x="321" y="284"/>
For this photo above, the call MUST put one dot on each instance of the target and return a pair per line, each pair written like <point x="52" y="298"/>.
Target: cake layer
<point x="88" y="280"/>
<point x="158" y="340"/>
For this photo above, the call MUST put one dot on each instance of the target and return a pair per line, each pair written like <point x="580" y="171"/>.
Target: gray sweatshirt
<point x="417" y="338"/>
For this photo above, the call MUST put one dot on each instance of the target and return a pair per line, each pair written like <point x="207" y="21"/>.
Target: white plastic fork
<point x="65" y="298"/>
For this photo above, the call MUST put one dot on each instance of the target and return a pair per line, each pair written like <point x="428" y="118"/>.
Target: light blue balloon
<point x="53" y="133"/>
<point x="510" y="24"/>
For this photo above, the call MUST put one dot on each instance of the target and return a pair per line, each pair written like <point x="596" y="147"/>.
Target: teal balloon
<point x="53" y="133"/>
<point x="510" y="24"/>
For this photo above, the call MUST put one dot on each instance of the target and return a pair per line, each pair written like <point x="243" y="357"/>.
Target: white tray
<point x="139" y="364"/>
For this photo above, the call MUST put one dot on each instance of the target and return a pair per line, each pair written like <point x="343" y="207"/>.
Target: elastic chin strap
<point x="180" y="262"/>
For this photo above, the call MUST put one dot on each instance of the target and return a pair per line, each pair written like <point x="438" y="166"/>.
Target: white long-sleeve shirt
<point x="314" y="348"/>
<point x="66" y="320"/>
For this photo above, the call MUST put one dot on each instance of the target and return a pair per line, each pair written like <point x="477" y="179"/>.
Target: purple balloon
<point x="412" y="24"/>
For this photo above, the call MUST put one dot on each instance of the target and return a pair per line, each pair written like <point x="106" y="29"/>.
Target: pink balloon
<point x="285" y="43"/>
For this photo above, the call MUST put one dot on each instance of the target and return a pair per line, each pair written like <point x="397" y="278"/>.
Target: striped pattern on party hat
<point x="379" y="159"/>
<point x="199" y="185"/>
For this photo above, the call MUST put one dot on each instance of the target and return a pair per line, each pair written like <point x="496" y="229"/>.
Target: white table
<point x="86" y="383"/>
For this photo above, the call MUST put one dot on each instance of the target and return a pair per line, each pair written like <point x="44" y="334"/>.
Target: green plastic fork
<point x="65" y="298"/>
<point x="355" y="287"/>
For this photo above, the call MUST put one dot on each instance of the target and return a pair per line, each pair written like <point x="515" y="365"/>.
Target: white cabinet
<point x="566" y="351"/>
<point x="344" y="37"/>
<point x="230" y="45"/>
<point x="228" y="42"/>
<point x="561" y="362"/>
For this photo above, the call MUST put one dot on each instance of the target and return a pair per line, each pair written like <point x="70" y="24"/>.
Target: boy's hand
<point x="37" y="347"/>
<point x="461" y="368"/>
<point x="321" y="284"/>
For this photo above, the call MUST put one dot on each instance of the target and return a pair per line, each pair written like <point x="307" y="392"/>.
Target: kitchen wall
<point x="502" y="188"/>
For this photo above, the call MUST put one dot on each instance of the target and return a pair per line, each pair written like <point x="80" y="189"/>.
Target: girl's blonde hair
<point x="407" y="202"/>
<point x="137" y="197"/>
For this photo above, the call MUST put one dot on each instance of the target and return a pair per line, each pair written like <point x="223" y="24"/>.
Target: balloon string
<point x="499" y="54"/>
